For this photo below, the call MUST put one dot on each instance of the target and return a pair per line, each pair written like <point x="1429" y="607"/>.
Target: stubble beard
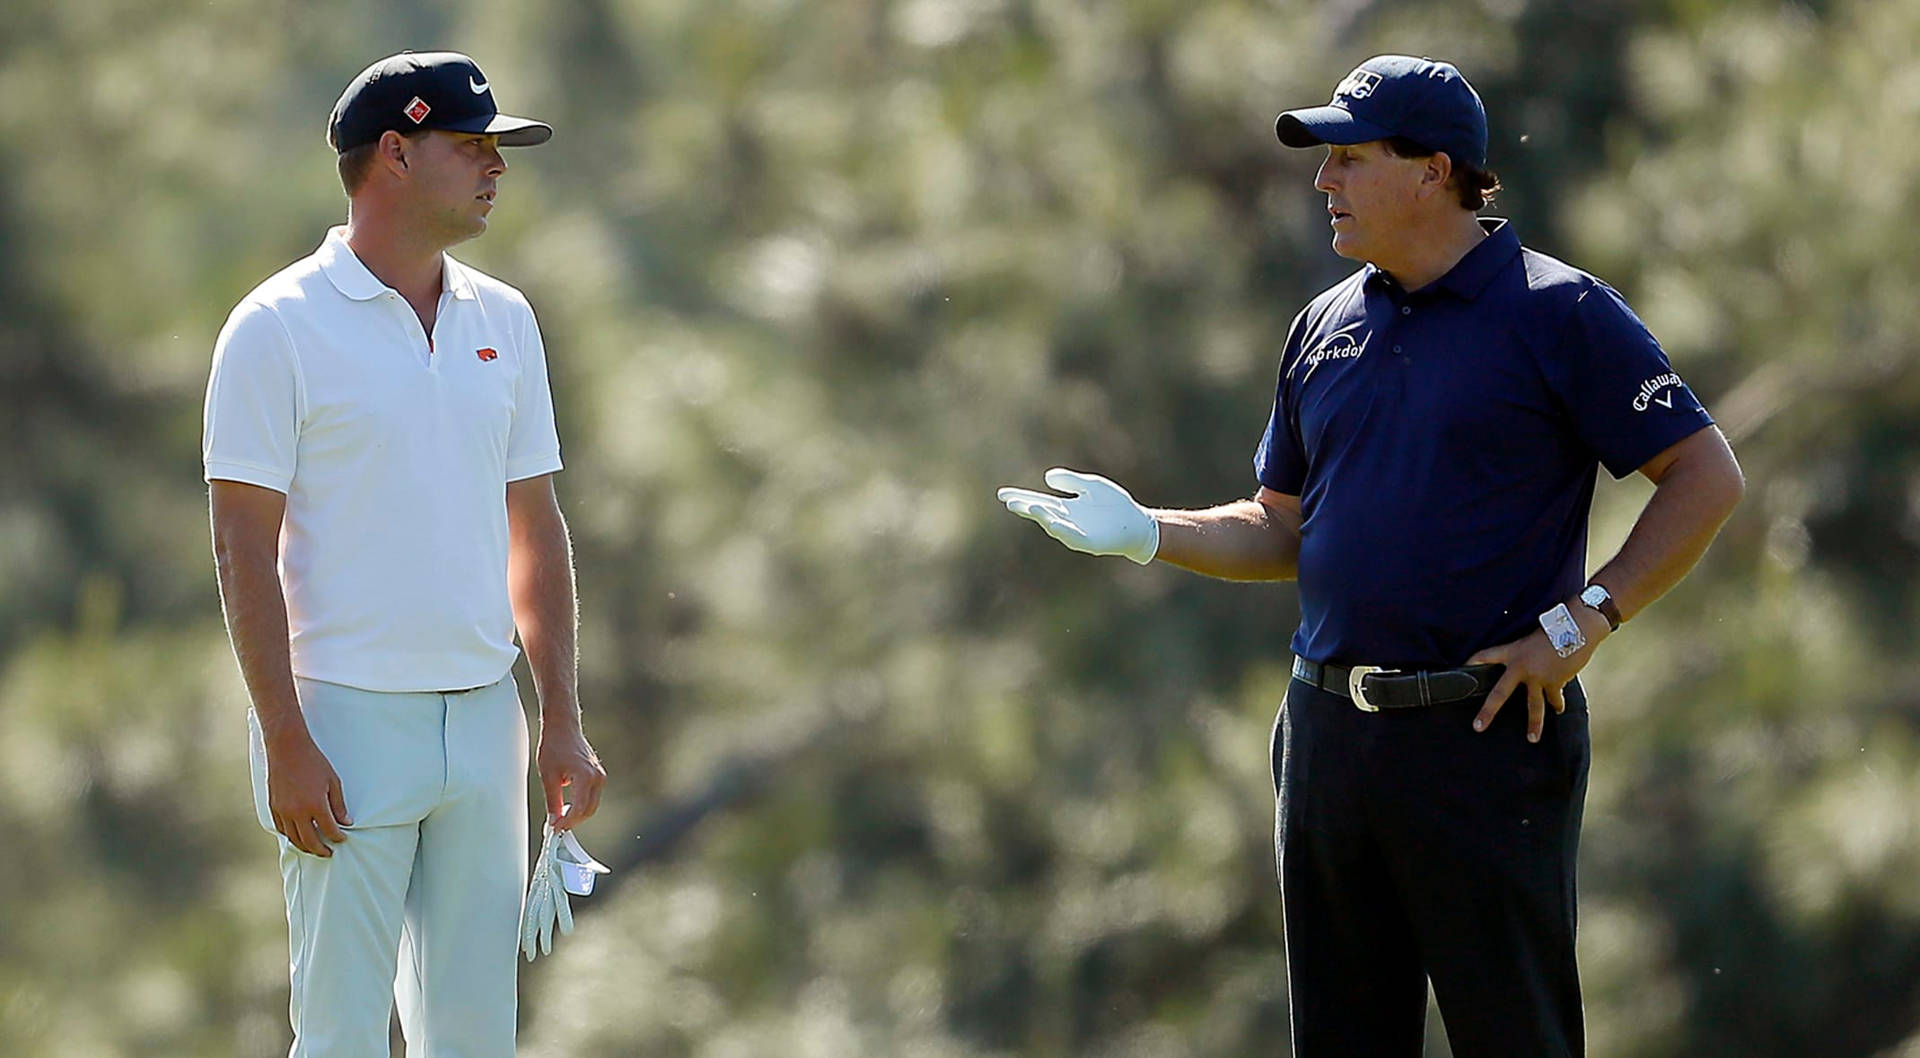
<point x="451" y="227"/>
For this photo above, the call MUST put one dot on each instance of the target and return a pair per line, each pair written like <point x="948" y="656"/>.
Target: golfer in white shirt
<point x="380" y="447"/>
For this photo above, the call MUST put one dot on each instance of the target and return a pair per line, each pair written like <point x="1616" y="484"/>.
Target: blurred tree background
<point x="892" y="774"/>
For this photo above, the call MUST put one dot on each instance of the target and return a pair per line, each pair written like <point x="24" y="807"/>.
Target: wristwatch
<point x="1598" y="597"/>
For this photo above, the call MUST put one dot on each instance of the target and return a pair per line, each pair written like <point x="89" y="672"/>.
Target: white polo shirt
<point x="394" y="454"/>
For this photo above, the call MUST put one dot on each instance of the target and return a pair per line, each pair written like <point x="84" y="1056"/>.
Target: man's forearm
<point x="1245" y="540"/>
<point x="256" y="614"/>
<point x="545" y="609"/>
<point x="1692" y="500"/>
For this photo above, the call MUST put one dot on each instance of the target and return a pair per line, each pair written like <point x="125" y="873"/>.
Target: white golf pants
<point x="421" y="904"/>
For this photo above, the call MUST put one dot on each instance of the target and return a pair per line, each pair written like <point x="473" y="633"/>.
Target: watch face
<point x="1594" y="596"/>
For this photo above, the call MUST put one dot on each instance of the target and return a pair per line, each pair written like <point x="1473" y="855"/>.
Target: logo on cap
<point x="417" y="110"/>
<point x="1358" y="85"/>
<point x="487" y="353"/>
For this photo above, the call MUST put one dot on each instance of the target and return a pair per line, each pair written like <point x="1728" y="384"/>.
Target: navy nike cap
<point x="425" y="90"/>
<point x="1424" y="100"/>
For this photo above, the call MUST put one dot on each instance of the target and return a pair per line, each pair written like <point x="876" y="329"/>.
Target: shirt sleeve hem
<point x="248" y="474"/>
<point x="1657" y="443"/>
<point x="1276" y="483"/>
<point x="533" y="467"/>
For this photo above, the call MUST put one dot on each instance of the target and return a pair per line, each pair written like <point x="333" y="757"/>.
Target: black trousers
<point x="1413" y="848"/>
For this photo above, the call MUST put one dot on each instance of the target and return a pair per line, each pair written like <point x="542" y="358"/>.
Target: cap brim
<point x="1313" y="126"/>
<point x="520" y="132"/>
<point x="513" y="131"/>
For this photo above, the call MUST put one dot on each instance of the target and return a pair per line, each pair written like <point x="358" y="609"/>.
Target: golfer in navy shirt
<point x="1426" y="475"/>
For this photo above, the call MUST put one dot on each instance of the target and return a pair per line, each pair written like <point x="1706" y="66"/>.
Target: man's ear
<point x="1438" y="171"/>
<point x="392" y="152"/>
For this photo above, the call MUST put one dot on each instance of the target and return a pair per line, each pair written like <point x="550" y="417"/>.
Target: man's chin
<point x="471" y="228"/>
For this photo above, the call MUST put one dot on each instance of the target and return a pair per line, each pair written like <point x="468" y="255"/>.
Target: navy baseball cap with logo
<point x="1424" y="100"/>
<point x="425" y="90"/>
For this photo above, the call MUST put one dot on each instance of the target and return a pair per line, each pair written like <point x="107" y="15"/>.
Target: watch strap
<point x="1607" y="607"/>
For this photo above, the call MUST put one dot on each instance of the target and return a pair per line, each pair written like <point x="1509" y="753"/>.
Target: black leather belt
<point x="1373" y="688"/>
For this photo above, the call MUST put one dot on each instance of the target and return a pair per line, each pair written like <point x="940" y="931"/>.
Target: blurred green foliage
<point x="893" y="775"/>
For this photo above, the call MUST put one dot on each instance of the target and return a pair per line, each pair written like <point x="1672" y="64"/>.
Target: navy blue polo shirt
<point x="1444" y="445"/>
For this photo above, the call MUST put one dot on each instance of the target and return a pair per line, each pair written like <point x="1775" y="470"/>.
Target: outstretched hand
<point x="1095" y="517"/>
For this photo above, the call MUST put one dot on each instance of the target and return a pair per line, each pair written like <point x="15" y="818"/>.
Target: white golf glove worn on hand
<point x="1096" y="517"/>
<point x="562" y="867"/>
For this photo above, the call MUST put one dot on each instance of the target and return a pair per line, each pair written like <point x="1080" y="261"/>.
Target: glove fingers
<point x="561" y="915"/>
<point x="547" y="904"/>
<point x="1040" y="510"/>
<point x="536" y="918"/>
<point x="1069" y="534"/>
<point x="530" y="917"/>
<point x="1007" y="494"/>
<point x="1074" y="483"/>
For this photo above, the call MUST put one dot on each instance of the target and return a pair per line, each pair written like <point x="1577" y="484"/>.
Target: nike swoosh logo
<point x="477" y="86"/>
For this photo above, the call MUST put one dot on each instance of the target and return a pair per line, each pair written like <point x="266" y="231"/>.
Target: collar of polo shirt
<point x="351" y="277"/>
<point x="1471" y="274"/>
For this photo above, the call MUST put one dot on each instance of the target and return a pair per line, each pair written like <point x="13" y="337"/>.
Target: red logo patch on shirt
<point x="417" y="110"/>
<point x="488" y="353"/>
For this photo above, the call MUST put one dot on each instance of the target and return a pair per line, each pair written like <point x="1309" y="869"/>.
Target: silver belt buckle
<point x="1356" y="690"/>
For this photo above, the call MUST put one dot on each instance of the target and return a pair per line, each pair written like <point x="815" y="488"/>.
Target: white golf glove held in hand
<point x="562" y="867"/>
<point x="1096" y="517"/>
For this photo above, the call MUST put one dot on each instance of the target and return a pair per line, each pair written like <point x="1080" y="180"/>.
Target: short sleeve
<point x="533" y="443"/>
<point x="251" y="426"/>
<point x="1280" y="463"/>
<point x="1627" y="403"/>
